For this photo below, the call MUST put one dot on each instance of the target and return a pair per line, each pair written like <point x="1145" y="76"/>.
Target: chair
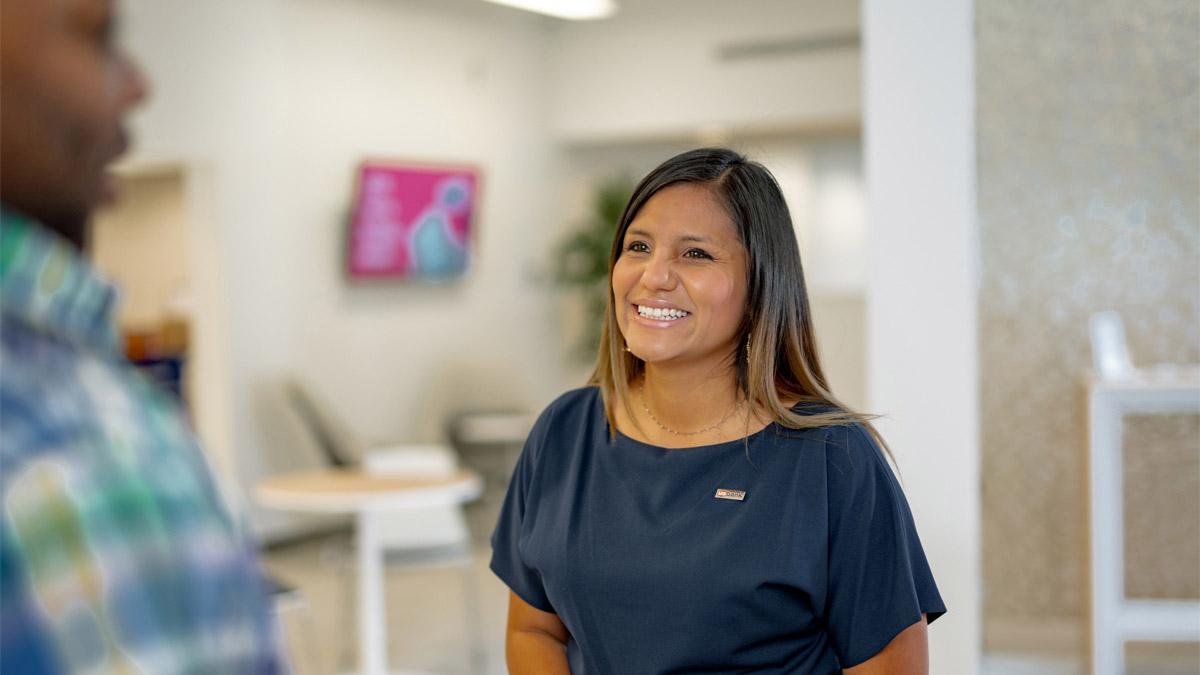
<point x="1110" y="355"/>
<point x="1116" y="389"/>
<point x="287" y="599"/>
<point x="433" y="537"/>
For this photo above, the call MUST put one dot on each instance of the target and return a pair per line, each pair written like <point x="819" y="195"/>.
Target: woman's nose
<point x="659" y="273"/>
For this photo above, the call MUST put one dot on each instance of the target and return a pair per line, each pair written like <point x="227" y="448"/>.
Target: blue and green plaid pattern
<point x="117" y="552"/>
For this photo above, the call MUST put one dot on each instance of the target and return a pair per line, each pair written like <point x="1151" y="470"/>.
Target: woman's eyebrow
<point x="637" y="232"/>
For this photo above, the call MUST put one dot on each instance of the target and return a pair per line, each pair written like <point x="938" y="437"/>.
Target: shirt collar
<point x="48" y="284"/>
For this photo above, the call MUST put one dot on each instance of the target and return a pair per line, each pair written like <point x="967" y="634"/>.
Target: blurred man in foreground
<point x="117" y="553"/>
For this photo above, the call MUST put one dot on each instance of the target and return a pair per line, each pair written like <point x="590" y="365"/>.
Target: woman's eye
<point x="697" y="254"/>
<point x="637" y="247"/>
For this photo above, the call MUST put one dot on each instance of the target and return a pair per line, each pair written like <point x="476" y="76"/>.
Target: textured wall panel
<point x="1162" y="506"/>
<point x="1088" y="131"/>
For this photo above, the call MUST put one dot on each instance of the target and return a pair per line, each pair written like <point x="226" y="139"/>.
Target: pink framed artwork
<point x="412" y="221"/>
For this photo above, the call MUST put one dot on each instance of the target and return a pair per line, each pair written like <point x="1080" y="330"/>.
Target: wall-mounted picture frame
<point x="412" y="221"/>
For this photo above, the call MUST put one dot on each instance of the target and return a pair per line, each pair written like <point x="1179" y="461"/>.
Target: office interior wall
<point x="280" y="101"/>
<point x="919" y="140"/>
<point x="662" y="66"/>
<point x="440" y="82"/>
<point x="1089" y="123"/>
<point x="212" y="109"/>
<point x="822" y="180"/>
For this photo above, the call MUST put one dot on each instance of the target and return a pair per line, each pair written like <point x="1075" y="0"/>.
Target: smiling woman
<point x="679" y="285"/>
<point x="707" y="504"/>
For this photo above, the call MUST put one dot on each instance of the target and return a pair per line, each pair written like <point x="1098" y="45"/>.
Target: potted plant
<point x="581" y="258"/>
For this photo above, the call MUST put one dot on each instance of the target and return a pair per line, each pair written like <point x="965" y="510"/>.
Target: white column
<point x="922" y="371"/>
<point x="372" y="611"/>
<point x="1114" y="617"/>
<point x="1107" y="534"/>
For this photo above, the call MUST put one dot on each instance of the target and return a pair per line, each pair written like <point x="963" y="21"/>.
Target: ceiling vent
<point x="784" y="47"/>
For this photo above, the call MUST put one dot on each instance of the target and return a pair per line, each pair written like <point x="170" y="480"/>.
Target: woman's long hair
<point x="777" y="357"/>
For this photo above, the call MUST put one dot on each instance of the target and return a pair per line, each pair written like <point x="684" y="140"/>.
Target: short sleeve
<point x="507" y="562"/>
<point x="879" y="581"/>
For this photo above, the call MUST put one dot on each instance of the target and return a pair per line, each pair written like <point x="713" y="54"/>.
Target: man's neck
<point x="74" y="228"/>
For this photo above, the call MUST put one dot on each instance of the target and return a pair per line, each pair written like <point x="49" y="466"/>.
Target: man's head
<point x="65" y="88"/>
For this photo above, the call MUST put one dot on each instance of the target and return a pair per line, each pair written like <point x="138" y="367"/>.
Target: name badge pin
<point x="736" y="495"/>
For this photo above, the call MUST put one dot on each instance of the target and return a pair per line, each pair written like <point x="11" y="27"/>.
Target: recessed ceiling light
<point x="577" y="10"/>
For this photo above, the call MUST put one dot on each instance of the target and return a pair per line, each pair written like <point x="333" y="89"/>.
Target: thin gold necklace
<point x="642" y="396"/>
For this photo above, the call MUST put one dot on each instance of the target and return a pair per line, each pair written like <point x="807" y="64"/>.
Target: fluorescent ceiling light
<point x="565" y="9"/>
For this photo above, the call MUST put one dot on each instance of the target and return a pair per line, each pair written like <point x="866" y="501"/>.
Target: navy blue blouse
<point x="817" y="568"/>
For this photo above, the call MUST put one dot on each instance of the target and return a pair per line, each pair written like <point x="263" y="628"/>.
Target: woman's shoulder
<point x="847" y="443"/>
<point x="565" y="422"/>
<point x="806" y="407"/>
<point x="575" y="406"/>
<point x="855" y="458"/>
<point x="574" y="402"/>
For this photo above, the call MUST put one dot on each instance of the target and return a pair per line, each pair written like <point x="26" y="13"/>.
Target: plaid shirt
<point x="117" y="553"/>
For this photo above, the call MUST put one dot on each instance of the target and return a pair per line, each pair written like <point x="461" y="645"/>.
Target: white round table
<point x="370" y="497"/>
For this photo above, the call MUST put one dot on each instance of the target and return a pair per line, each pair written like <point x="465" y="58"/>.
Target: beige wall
<point x="840" y="324"/>
<point x="1088" y="123"/>
<point x="141" y="242"/>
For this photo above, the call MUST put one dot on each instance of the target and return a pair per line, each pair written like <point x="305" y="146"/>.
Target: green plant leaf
<point x="581" y="257"/>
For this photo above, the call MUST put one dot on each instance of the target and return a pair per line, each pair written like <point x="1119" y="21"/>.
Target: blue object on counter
<point x="167" y="371"/>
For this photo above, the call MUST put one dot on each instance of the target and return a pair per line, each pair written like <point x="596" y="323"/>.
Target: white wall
<point x="213" y="69"/>
<point x="282" y="99"/>
<point x="654" y="69"/>
<point x="922" y="367"/>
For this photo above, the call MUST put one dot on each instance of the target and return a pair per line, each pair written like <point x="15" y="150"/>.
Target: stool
<point x="1115" y="619"/>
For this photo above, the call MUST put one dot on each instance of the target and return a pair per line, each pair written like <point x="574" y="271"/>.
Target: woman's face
<point x="679" y="285"/>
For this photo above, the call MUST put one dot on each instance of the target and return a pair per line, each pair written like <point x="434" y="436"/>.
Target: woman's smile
<point x="666" y="315"/>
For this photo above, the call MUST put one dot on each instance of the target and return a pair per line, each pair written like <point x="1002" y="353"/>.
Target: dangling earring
<point x="748" y="350"/>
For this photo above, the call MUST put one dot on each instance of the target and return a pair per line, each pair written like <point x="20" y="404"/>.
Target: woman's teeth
<point x="660" y="313"/>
